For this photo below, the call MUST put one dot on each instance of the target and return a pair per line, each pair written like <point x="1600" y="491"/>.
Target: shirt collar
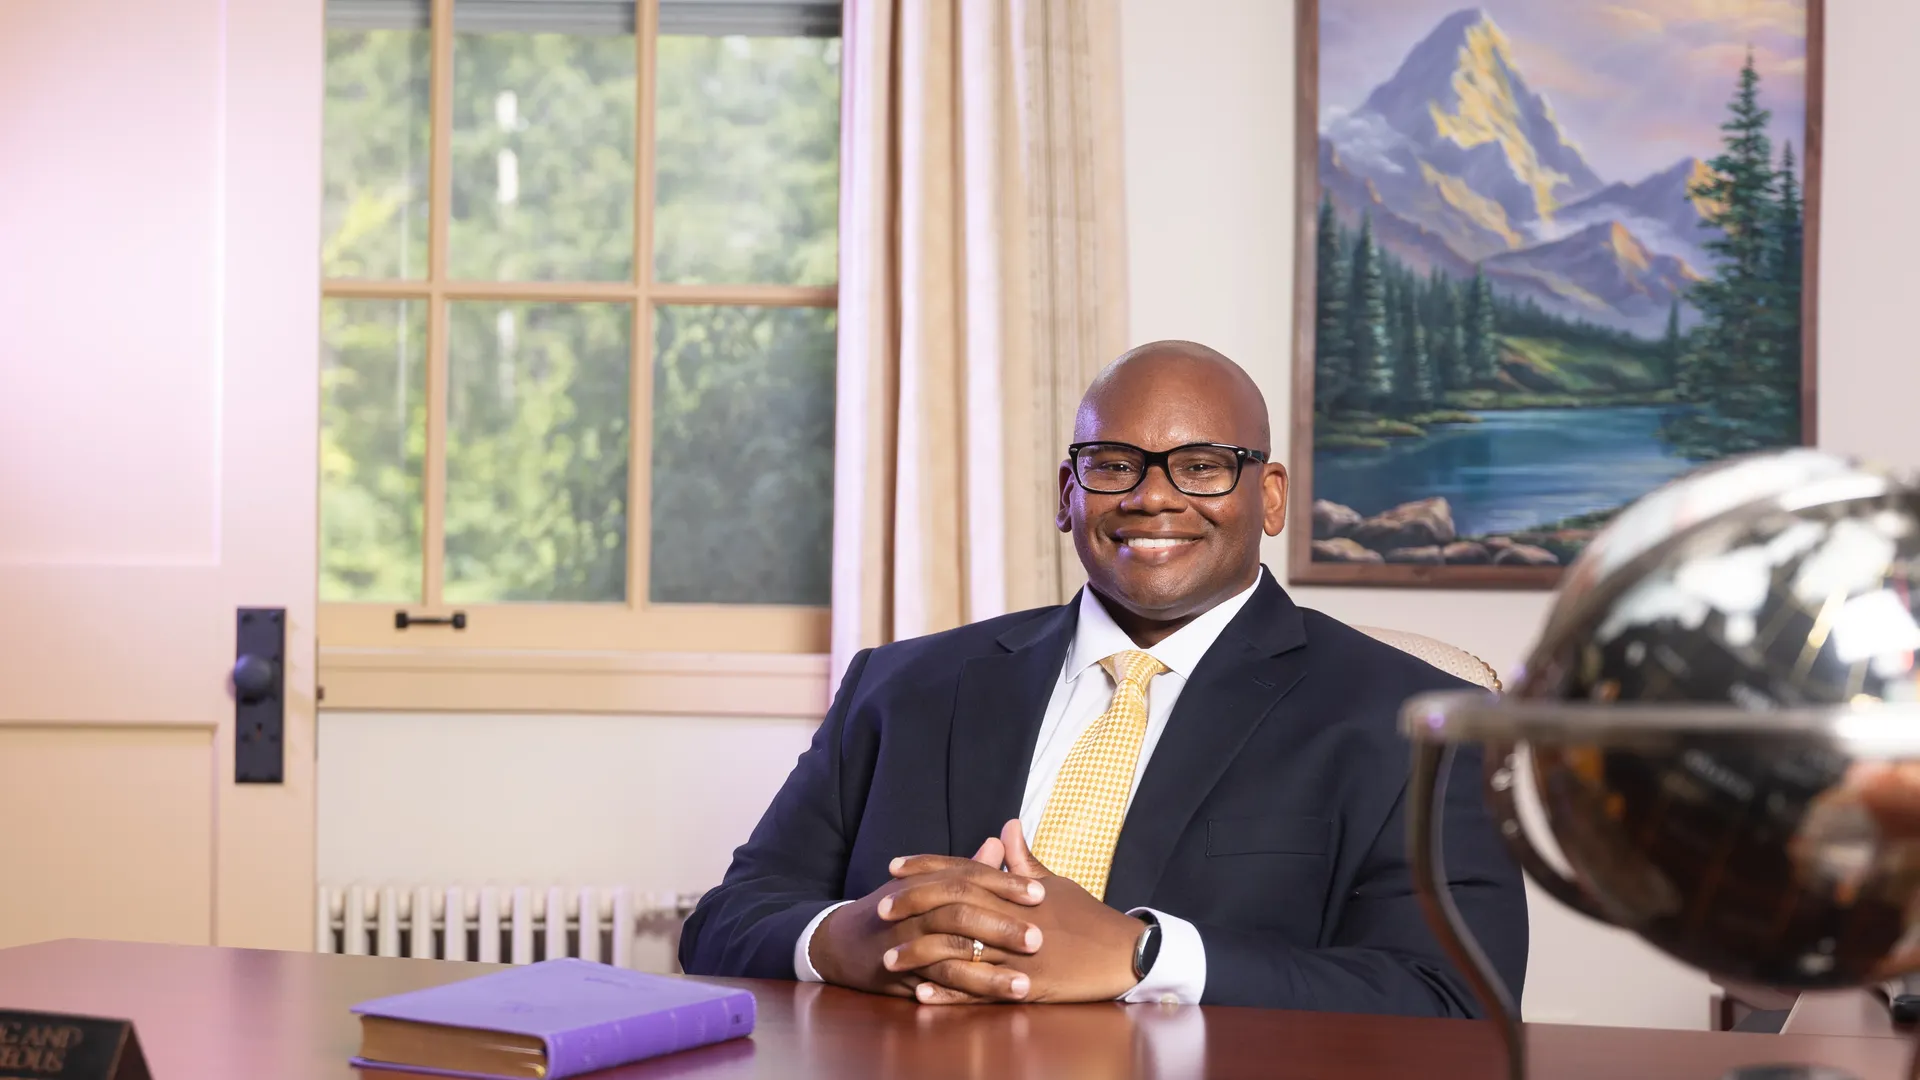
<point x="1097" y="636"/>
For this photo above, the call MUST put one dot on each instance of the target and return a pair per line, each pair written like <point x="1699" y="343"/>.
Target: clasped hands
<point x="1045" y="938"/>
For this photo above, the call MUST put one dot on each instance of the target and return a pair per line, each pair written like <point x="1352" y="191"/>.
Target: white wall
<point x="1209" y="129"/>
<point x="653" y="802"/>
<point x="661" y="801"/>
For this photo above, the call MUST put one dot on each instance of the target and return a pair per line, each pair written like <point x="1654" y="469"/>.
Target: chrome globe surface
<point x="1776" y="584"/>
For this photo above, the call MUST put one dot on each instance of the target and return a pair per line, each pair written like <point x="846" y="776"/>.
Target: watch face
<point x="1146" y="950"/>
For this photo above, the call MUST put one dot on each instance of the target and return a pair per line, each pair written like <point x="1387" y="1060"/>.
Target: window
<point x="578" y="323"/>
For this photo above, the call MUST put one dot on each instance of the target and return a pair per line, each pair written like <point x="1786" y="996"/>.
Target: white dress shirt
<point x="1080" y="695"/>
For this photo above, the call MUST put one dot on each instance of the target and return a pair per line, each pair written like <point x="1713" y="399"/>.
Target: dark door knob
<point x="253" y="678"/>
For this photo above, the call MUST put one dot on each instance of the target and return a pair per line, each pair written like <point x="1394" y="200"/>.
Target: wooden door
<point x="159" y="298"/>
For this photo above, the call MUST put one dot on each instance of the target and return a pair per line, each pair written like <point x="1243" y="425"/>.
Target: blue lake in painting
<point x="1516" y="469"/>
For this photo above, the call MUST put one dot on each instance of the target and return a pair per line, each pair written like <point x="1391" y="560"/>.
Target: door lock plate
<point x="259" y="696"/>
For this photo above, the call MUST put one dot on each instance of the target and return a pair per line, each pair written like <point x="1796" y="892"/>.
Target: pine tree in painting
<point x="1482" y="352"/>
<point x="1414" y="385"/>
<point x="1443" y="340"/>
<point x="1789" y="251"/>
<point x="1396" y="327"/>
<point x="1672" y="344"/>
<point x="1332" y="347"/>
<point x="1371" y="388"/>
<point x="1737" y="374"/>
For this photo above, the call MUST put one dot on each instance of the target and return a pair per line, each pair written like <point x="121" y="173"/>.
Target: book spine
<point x="619" y="1042"/>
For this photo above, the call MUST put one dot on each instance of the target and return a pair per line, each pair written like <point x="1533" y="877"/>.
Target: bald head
<point x="1155" y="554"/>
<point x="1217" y="391"/>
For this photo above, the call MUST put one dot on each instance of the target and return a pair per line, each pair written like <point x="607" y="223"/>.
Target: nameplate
<point x="55" y="1046"/>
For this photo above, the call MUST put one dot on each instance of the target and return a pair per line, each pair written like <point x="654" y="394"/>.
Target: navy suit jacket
<point x="1272" y="814"/>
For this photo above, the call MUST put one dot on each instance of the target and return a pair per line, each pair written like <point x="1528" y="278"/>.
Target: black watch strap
<point x="1147" y="949"/>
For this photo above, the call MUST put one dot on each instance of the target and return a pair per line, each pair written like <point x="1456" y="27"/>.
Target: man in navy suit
<point x="1217" y="773"/>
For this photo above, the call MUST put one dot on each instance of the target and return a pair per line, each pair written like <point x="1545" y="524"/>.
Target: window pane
<point x="372" y="436"/>
<point x="746" y="160"/>
<point x="537" y="408"/>
<point x="742" y="455"/>
<point x="374" y="211"/>
<point x="542" y="156"/>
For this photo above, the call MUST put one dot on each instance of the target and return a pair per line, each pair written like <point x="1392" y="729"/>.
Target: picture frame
<point x="1535" y="418"/>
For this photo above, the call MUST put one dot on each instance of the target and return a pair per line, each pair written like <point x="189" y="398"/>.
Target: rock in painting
<point x="1330" y="519"/>
<point x="1418" y="556"/>
<point x="1524" y="555"/>
<point x="1341" y="549"/>
<point x="1425" y="523"/>
<point x="1465" y="553"/>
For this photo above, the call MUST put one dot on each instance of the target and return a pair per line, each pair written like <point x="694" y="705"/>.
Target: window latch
<point x="402" y="620"/>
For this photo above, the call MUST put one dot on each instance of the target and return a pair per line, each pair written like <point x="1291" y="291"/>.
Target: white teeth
<point x="1155" y="543"/>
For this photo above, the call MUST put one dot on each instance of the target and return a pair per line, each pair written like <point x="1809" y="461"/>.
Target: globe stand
<point x="1436" y="723"/>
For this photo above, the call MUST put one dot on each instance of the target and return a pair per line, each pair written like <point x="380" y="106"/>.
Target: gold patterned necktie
<point x="1089" y="800"/>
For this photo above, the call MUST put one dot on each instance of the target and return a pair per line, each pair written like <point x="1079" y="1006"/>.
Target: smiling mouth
<point x="1157" y="543"/>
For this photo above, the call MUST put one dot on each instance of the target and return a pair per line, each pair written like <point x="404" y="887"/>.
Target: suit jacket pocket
<point x="1269" y="836"/>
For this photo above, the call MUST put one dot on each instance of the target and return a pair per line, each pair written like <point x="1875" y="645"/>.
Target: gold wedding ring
<point x="979" y="948"/>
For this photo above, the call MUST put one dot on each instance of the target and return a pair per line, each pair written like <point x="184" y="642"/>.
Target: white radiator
<point x="518" y="924"/>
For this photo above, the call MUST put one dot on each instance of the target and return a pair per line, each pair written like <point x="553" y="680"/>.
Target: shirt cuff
<point x="803" y="964"/>
<point x="1179" y="975"/>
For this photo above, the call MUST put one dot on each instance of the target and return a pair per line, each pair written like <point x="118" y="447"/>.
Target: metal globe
<point x="1721" y="727"/>
<point x="1783" y="585"/>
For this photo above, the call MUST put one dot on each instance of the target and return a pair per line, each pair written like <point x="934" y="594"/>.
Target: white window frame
<point x="633" y="656"/>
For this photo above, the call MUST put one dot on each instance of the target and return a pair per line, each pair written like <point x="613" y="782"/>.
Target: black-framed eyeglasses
<point x="1203" y="470"/>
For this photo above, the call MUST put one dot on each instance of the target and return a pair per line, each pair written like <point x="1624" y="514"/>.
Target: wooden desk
<point x="227" y="1014"/>
<point x="1857" y="1013"/>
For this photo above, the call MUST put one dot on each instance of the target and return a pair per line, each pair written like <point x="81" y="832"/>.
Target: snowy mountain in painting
<point x="1460" y="163"/>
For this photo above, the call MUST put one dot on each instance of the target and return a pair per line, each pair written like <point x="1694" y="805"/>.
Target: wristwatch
<point x="1147" y="949"/>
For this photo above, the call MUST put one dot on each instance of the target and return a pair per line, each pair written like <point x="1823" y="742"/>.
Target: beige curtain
<point x="982" y="284"/>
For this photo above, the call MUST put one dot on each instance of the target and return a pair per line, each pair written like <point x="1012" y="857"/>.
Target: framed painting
<point x="1551" y="256"/>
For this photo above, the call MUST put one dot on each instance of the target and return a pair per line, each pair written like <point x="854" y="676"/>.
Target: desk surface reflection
<point x="226" y="1014"/>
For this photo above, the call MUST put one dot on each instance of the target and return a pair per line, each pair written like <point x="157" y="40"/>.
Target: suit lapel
<point x="1256" y="660"/>
<point x="997" y="710"/>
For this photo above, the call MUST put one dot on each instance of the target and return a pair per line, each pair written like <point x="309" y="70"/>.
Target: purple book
<point x="590" y="1016"/>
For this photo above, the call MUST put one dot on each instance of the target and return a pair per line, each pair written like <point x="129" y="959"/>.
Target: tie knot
<point x="1132" y="668"/>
